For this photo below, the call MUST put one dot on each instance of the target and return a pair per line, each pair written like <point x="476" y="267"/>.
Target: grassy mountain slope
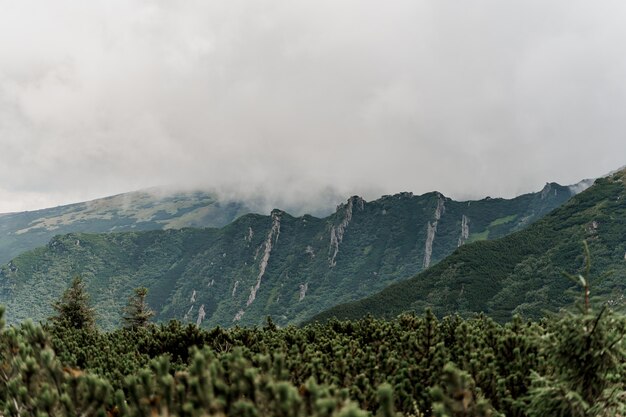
<point x="142" y="210"/>
<point x="280" y="265"/>
<point x="522" y="272"/>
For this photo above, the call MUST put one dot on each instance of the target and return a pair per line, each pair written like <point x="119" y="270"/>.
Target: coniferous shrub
<point x="585" y="375"/>
<point x="586" y="353"/>
<point x="35" y="383"/>
<point x="413" y="365"/>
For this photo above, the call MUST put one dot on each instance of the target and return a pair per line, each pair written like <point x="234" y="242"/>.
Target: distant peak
<point x="545" y="191"/>
<point x="581" y="186"/>
<point x="620" y="173"/>
<point x="354" y="201"/>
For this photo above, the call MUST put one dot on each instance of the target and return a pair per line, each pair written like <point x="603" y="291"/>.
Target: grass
<point x="484" y="235"/>
<point x="503" y="220"/>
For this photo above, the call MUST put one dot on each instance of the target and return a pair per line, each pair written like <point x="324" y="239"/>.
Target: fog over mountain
<point x="300" y="101"/>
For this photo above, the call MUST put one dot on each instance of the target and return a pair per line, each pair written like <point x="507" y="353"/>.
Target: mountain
<point x="142" y="210"/>
<point x="288" y="267"/>
<point x="520" y="273"/>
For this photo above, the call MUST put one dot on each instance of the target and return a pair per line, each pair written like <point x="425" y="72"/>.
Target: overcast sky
<point x="305" y="98"/>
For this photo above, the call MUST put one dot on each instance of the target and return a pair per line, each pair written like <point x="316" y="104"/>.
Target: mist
<point x="300" y="102"/>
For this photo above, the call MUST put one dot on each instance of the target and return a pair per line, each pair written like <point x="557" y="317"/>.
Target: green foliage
<point x="35" y="383"/>
<point x="73" y="309"/>
<point x="456" y="396"/>
<point x="381" y="366"/>
<point x="572" y="364"/>
<point x="410" y="366"/>
<point x="137" y="313"/>
<point x="517" y="273"/>
<point x="206" y="275"/>
<point x="586" y="374"/>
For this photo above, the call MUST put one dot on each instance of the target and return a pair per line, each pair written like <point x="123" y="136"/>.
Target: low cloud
<point x="306" y="100"/>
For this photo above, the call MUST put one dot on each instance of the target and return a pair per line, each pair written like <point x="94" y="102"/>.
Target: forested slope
<point x="520" y="273"/>
<point x="288" y="267"/>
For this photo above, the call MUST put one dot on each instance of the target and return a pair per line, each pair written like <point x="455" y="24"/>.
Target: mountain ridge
<point x="280" y="265"/>
<point x="138" y="210"/>
<point x="519" y="273"/>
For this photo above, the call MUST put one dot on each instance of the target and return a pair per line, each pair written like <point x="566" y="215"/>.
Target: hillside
<point x="142" y="210"/>
<point x="288" y="267"/>
<point x="520" y="273"/>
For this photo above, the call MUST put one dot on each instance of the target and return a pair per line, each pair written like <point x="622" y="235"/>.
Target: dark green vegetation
<point x="573" y="365"/>
<point x="519" y="273"/>
<point x="73" y="310"/>
<point x="145" y="210"/>
<point x="287" y="267"/>
<point x="137" y="313"/>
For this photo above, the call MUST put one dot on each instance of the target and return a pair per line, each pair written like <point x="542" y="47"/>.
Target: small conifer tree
<point x="586" y="355"/>
<point x="137" y="313"/>
<point x="73" y="309"/>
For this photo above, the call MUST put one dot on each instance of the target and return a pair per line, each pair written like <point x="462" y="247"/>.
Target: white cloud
<point x="293" y="97"/>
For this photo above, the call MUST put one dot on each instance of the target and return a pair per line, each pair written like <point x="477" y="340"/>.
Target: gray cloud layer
<point x="297" y="98"/>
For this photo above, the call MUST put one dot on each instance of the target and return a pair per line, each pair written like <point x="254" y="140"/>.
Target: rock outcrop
<point x="432" y="230"/>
